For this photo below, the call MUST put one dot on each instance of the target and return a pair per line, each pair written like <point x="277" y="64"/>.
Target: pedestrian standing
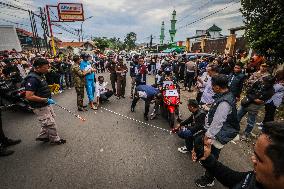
<point x="90" y="79"/>
<point x="191" y="72"/>
<point x="39" y="96"/>
<point x="79" y="82"/>
<point x="276" y="100"/>
<point x="221" y="123"/>
<point x="133" y="72"/>
<point x="142" y="72"/>
<point x="110" y="66"/>
<point x="261" y="91"/>
<point x="121" y="70"/>
<point x="236" y="81"/>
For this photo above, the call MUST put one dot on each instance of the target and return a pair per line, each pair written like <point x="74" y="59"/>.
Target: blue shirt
<point x="148" y="89"/>
<point x="83" y="65"/>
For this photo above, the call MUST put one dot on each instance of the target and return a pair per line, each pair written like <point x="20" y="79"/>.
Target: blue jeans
<point x="250" y="120"/>
<point x="61" y="81"/>
<point x="187" y="135"/>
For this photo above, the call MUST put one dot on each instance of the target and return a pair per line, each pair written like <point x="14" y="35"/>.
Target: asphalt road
<point x="106" y="151"/>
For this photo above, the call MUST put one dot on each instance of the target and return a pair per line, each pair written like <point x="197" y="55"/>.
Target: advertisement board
<point x="71" y="11"/>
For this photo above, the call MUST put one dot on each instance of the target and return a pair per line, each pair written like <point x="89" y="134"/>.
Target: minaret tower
<point x="162" y="36"/>
<point x="173" y="30"/>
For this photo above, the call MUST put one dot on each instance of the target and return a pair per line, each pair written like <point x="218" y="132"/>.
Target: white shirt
<point x="207" y="96"/>
<point x="100" y="88"/>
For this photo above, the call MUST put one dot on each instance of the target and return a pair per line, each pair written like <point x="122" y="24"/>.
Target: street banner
<point x="71" y="11"/>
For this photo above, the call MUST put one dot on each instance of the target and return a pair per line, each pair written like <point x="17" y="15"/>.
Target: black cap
<point x="40" y="62"/>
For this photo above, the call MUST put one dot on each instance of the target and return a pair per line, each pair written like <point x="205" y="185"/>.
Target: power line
<point x="27" y="4"/>
<point x="203" y="5"/>
<point x="14" y="22"/>
<point x="61" y="22"/>
<point x="12" y="15"/>
<point x="205" y="17"/>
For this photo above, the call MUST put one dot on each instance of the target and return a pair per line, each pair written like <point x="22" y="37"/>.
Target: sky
<point x="116" y="18"/>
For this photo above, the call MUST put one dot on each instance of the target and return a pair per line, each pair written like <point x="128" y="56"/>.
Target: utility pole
<point x="34" y="31"/>
<point x="45" y="28"/>
<point x="50" y="28"/>
<point x="151" y="40"/>
<point x="78" y="31"/>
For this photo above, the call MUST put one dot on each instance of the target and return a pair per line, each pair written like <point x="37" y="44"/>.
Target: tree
<point x="101" y="42"/>
<point x="130" y="40"/>
<point x="264" y="21"/>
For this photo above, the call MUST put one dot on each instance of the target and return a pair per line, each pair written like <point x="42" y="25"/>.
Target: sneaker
<point x="94" y="107"/>
<point x="204" y="182"/>
<point x="69" y="87"/>
<point x="80" y="109"/>
<point x="10" y="142"/>
<point x="183" y="150"/>
<point x="59" y="142"/>
<point x="246" y="137"/>
<point x="4" y="151"/>
<point x="132" y="109"/>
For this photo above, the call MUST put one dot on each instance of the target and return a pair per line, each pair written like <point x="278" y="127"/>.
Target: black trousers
<point x="270" y="110"/>
<point x="215" y="152"/>
<point x="189" y="78"/>
<point x="113" y="79"/>
<point x="105" y="96"/>
<point x="147" y="103"/>
<point x="198" y="96"/>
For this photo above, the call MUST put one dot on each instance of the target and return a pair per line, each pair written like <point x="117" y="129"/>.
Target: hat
<point x="40" y="62"/>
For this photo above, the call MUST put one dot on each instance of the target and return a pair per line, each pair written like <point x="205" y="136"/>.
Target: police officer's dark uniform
<point x="35" y="82"/>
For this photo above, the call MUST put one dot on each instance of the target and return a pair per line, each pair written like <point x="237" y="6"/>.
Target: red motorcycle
<point x="170" y="103"/>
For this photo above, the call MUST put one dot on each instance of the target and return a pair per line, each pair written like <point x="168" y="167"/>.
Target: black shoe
<point x="42" y="139"/>
<point x="10" y="142"/>
<point x="59" y="142"/>
<point x="81" y="109"/>
<point x="132" y="109"/>
<point x="204" y="182"/>
<point x="146" y="118"/>
<point x="4" y="151"/>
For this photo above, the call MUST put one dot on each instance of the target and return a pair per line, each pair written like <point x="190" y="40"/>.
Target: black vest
<point x="42" y="91"/>
<point x="231" y="126"/>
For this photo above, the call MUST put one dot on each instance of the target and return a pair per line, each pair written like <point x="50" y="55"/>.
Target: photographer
<point x="261" y="91"/>
<point x="268" y="161"/>
<point x="187" y="128"/>
<point x="221" y="122"/>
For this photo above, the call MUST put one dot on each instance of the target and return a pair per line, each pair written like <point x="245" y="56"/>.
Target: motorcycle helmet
<point x="168" y="71"/>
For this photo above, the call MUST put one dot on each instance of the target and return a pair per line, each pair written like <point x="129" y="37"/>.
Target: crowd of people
<point x="220" y="82"/>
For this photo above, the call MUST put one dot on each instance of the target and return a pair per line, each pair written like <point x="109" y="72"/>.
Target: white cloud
<point x="118" y="17"/>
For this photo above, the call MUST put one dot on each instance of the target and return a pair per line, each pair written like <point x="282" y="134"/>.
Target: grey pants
<point x="46" y="116"/>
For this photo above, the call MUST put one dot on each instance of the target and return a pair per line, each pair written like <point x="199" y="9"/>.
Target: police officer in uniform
<point x="79" y="82"/>
<point x="111" y="68"/>
<point x="121" y="70"/>
<point x="39" y="96"/>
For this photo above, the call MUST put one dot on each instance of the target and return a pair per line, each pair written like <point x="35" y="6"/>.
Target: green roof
<point x="214" y="28"/>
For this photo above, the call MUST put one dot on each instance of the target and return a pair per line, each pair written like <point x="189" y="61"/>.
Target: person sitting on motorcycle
<point x="193" y="124"/>
<point x="147" y="93"/>
<point x="168" y="76"/>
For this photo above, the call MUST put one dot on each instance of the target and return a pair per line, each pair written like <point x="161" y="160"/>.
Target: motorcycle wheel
<point x="171" y="119"/>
